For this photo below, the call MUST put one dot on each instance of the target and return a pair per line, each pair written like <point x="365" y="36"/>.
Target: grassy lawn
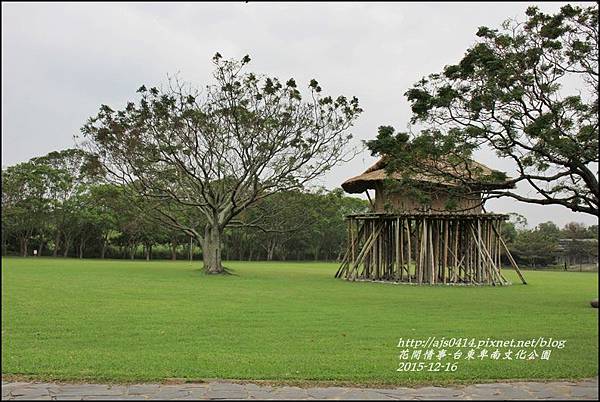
<point x="142" y="321"/>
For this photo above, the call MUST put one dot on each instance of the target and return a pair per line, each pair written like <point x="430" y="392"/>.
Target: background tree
<point x="273" y="221"/>
<point x="510" y="228"/>
<point x="73" y="175"/>
<point x="580" y="243"/>
<point x="579" y="251"/>
<point x="105" y="211"/>
<point x="549" y="229"/>
<point x="175" y="238"/>
<point x="297" y="225"/>
<point x="528" y="91"/>
<point x="593" y="231"/>
<point x="220" y="151"/>
<point x="537" y="247"/>
<point x="546" y="244"/>
<point x="26" y="202"/>
<point x="575" y="230"/>
<point x="328" y="237"/>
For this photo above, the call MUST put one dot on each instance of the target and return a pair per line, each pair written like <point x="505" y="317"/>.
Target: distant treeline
<point x="58" y="205"/>
<point x="547" y="244"/>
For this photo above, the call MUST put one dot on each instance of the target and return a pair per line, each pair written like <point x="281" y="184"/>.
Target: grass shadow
<point x="226" y="272"/>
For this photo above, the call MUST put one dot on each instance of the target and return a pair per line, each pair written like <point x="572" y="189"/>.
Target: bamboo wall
<point x="426" y="249"/>
<point x="403" y="201"/>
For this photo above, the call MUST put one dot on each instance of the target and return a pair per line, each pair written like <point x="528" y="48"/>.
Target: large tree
<point x="528" y="91"/>
<point x="220" y="150"/>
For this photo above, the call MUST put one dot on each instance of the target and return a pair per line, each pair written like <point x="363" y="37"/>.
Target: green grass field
<point x="125" y="321"/>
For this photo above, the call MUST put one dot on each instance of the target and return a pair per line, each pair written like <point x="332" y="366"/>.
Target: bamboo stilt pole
<point x="445" y="264"/>
<point x="510" y="258"/>
<point x="422" y="251"/>
<point x="431" y="248"/>
<point x="365" y="251"/>
<point x="396" y="245"/>
<point x="493" y="270"/>
<point x="408" y="248"/>
<point x="432" y="255"/>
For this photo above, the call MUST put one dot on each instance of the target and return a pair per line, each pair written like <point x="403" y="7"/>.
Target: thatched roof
<point x="376" y="174"/>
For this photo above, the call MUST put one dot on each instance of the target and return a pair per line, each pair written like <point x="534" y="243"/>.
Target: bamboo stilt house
<point x="442" y="238"/>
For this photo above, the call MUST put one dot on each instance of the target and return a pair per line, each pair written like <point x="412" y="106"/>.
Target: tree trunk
<point x="104" y="245"/>
<point x="211" y="251"/>
<point x="270" y="251"/>
<point x="173" y="251"/>
<point x="81" y="247"/>
<point x="23" y="242"/>
<point x="56" y="245"/>
<point x="132" y="251"/>
<point x="67" y="245"/>
<point x="41" y="248"/>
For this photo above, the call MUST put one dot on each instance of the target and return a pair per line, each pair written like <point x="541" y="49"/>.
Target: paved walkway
<point x="587" y="389"/>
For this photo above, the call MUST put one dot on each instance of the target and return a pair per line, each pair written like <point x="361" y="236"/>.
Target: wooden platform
<point x="423" y="248"/>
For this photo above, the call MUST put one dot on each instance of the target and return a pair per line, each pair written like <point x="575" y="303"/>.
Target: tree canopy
<point x="528" y="91"/>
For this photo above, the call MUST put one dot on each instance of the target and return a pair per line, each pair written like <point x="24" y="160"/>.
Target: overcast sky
<point x="60" y="62"/>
